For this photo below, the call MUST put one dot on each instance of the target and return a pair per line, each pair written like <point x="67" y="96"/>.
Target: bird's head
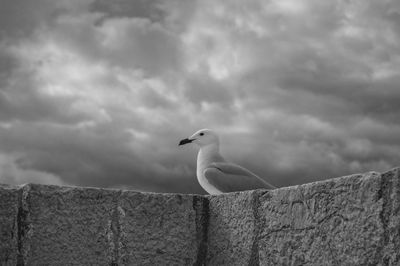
<point x="202" y="138"/>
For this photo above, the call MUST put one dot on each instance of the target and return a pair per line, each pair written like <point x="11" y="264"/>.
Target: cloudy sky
<point x="99" y="93"/>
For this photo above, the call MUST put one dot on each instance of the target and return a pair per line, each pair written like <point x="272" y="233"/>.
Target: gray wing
<point x="229" y="177"/>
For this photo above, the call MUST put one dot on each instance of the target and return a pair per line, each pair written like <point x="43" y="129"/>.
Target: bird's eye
<point x="201" y="134"/>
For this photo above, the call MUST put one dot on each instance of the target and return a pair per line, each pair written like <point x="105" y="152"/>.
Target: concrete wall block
<point x="157" y="229"/>
<point x="9" y="197"/>
<point x="353" y="220"/>
<point x="232" y="229"/>
<point x="390" y="217"/>
<point x="333" y="222"/>
<point x="68" y="226"/>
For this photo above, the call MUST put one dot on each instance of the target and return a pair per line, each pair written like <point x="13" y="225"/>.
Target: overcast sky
<point x="99" y="93"/>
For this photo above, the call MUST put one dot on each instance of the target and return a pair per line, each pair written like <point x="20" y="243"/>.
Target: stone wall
<point x="353" y="220"/>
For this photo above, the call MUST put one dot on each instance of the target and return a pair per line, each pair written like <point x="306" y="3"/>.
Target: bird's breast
<point x="204" y="159"/>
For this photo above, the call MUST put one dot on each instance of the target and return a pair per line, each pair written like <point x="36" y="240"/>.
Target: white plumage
<point x="216" y="175"/>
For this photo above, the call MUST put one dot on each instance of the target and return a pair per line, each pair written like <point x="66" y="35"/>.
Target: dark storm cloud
<point x="98" y="93"/>
<point x="200" y="89"/>
<point x="125" y="8"/>
<point x="19" y="18"/>
<point x="20" y="100"/>
<point x="105" y="158"/>
<point x="120" y="41"/>
<point x="53" y="127"/>
<point x="142" y="44"/>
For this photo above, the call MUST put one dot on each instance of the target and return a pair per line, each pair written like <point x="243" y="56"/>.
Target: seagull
<point x="214" y="173"/>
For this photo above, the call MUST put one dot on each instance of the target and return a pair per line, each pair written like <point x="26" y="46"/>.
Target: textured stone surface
<point x="232" y="228"/>
<point x="66" y="225"/>
<point x="390" y="218"/>
<point x="352" y="220"/>
<point x="336" y="222"/>
<point x="157" y="229"/>
<point x="8" y="225"/>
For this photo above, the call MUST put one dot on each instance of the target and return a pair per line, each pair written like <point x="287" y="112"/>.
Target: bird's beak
<point x="185" y="141"/>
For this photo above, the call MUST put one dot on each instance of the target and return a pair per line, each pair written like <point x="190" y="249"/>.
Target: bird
<point x="214" y="173"/>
